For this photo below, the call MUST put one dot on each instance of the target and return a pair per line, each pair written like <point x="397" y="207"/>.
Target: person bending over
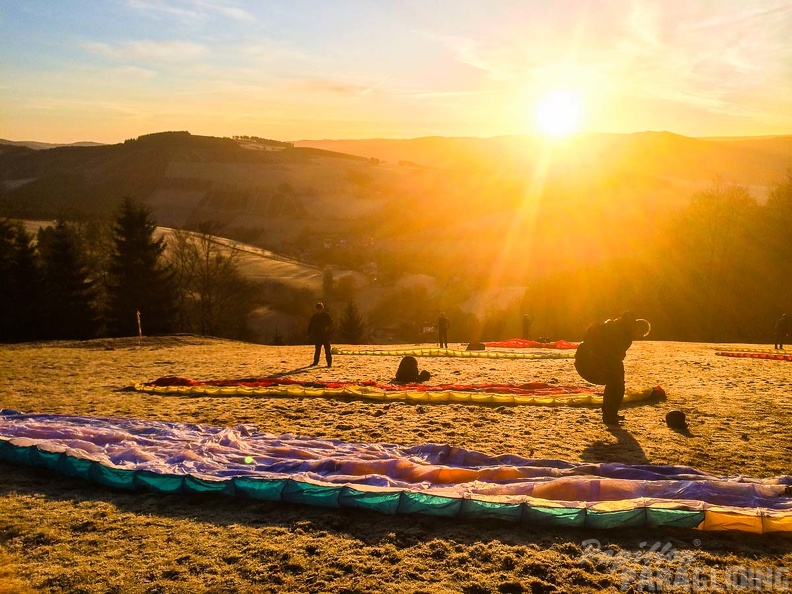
<point x="600" y="358"/>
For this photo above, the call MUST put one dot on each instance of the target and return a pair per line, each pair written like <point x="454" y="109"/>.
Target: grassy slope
<point x="64" y="535"/>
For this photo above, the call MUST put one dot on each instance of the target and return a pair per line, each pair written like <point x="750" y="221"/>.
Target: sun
<point x="558" y="113"/>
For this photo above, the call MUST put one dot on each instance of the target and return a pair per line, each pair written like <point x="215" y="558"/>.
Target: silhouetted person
<point x="408" y="371"/>
<point x="442" y="330"/>
<point x="319" y="329"/>
<point x="527" y="321"/>
<point x="600" y="359"/>
<point x="780" y="331"/>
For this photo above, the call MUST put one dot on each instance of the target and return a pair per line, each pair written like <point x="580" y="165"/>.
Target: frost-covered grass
<point x="59" y="534"/>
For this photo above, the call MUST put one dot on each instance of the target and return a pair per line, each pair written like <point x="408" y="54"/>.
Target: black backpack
<point x="408" y="370"/>
<point x="593" y="332"/>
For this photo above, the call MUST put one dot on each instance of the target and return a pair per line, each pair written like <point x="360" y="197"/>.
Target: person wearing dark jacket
<point x="780" y="331"/>
<point x="600" y="359"/>
<point x="526" y="326"/>
<point x="319" y="329"/>
<point x="442" y="330"/>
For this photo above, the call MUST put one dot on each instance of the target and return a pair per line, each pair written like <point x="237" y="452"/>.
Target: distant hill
<point x="410" y="225"/>
<point x="436" y="206"/>
<point x="753" y="161"/>
<point x="187" y="180"/>
<point x="45" y="145"/>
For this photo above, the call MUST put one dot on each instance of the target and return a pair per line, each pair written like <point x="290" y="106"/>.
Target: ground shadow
<point x="297" y="370"/>
<point x="625" y="449"/>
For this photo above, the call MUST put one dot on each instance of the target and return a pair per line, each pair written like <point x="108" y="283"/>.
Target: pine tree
<point x="19" y="284"/>
<point x="7" y="297"/>
<point x="138" y="280"/>
<point x="68" y="295"/>
<point x="27" y="273"/>
<point x="352" y="327"/>
<point x="328" y="285"/>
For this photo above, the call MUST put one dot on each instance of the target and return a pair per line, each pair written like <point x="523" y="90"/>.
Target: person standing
<point x="526" y="326"/>
<point x="319" y="329"/>
<point x="442" y="330"/>
<point x="780" y="331"/>
<point x="600" y="359"/>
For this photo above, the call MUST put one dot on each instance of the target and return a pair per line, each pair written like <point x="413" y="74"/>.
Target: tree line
<point x="82" y="279"/>
<point x="717" y="270"/>
<point x="85" y="279"/>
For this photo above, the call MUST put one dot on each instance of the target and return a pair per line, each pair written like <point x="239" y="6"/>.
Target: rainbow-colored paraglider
<point x="432" y="479"/>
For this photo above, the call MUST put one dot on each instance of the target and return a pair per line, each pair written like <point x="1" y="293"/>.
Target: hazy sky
<point x="107" y="70"/>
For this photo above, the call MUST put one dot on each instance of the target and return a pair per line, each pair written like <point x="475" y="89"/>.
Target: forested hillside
<point x="691" y="233"/>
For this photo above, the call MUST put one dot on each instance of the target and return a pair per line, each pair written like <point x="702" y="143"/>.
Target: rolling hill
<point x="750" y="161"/>
<point x="32" y="144"/>
<point x="478" y="219"/>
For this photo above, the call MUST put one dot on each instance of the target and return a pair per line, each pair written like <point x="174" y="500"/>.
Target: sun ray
<point x="523" y="223"/>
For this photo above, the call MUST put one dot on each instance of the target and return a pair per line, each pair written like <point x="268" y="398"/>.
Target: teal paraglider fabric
<point x="433" y="479"/>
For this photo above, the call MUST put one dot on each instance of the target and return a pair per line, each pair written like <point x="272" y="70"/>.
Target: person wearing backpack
<point x="600" y="358"/>
<point x="407" y="373"/>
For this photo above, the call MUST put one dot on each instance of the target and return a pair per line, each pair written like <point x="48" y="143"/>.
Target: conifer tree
<point x="138" y="280"/>
<point x="68" y="295"/>
<point x="328" y="284"/>
<point x="19" y="284"/>
<point x="352" y="327"/>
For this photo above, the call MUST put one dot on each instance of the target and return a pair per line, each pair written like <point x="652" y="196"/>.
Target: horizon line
<point x="430" y="136"/>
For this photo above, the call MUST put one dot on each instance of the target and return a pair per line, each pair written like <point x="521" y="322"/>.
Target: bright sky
<point x="107" y="70"/>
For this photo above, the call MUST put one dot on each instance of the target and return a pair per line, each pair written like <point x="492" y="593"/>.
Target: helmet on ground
<point x="676" y="419"/>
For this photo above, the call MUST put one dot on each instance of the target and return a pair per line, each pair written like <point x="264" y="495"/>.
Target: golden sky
<point x="76" y="70"/>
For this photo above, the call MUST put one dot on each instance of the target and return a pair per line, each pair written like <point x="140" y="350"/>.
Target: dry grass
<point x="9" y="582"/>
<point x="65" y="535"/>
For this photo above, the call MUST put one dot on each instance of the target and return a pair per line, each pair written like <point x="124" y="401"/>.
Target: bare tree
<point x="214" y="298"/>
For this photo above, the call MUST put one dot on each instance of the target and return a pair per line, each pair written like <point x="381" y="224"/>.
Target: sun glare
<point x="557" y="113"/>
